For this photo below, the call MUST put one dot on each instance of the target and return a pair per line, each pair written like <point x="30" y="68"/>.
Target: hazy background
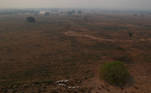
<point x="103" y="4"/>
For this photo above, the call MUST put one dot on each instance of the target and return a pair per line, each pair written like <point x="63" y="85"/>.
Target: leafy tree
<point x="31" y="19"/>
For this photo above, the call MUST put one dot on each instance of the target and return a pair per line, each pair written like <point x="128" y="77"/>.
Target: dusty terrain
<point x="33" y="56"/>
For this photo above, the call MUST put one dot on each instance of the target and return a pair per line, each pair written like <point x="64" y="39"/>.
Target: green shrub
<point x="115" y="73"/>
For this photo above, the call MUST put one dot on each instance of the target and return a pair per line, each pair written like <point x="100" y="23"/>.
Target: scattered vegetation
<point x="115" y="73"/>
<point x="42" y="53"/>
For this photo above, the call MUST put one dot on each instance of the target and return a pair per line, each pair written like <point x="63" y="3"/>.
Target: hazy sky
<point x="104" y="4"/>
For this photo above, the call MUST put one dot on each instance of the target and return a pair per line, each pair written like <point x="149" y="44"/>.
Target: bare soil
<point x="33" y="56"/>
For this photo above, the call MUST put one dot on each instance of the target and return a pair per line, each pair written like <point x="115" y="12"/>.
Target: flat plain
<point x="33" y="56"/>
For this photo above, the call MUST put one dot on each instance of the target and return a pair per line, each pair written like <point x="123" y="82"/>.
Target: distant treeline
<point x="17" y="11"/>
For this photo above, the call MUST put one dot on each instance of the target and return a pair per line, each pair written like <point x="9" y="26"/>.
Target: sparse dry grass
<point x="42" y="51"/>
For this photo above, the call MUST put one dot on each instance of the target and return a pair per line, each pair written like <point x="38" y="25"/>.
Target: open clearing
<point x="33" y="56"/>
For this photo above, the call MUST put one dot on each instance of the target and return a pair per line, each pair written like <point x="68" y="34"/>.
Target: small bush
<point x="115" y="73"/>
<point x="31" y="19"/>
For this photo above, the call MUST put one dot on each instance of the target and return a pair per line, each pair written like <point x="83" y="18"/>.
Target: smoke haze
<point x="103" y="4"/>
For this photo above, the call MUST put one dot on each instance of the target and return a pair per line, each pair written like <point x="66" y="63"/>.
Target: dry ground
<point x="34" y="56"/>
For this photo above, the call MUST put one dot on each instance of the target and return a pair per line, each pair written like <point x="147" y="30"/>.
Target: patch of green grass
<point x="115" y="73"/>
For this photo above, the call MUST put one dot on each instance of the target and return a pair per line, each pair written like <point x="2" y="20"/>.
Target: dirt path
<point x="78" y="34"/>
